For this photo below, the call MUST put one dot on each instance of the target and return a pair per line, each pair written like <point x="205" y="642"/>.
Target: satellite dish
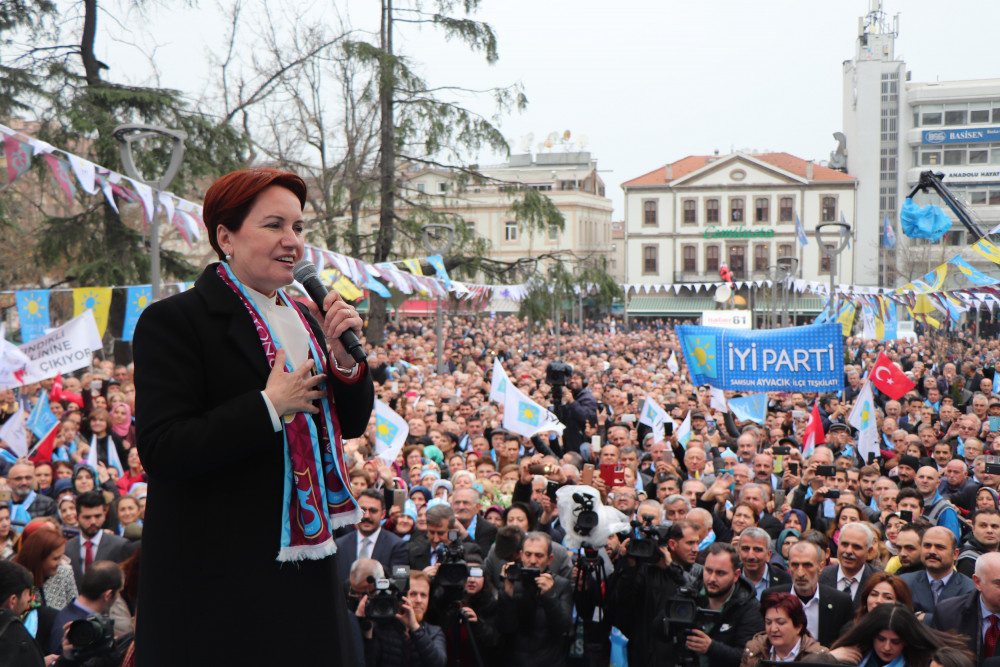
<point x="525" y="144"/>
<point x="548" y="143"/>
<point x="566" y="135"/>
<point x="722" y="293"/>
<point x="582" y="141"/>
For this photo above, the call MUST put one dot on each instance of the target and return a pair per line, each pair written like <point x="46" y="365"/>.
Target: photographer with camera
<point x="639" y="592"/>
<point x="17" y="648"/>
<point x="89" y="639"/>
<point x="427" y="551"/>
<point x="403" y="639"/>
<point x="721" y="640"/>
<point x="535" y="607"/>
<point x="576" y="413"/>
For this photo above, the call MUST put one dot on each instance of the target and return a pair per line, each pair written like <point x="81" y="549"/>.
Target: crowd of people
<point x="738" y="547"/>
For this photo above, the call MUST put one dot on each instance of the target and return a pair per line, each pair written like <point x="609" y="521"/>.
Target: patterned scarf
<point x="316" y="500"/>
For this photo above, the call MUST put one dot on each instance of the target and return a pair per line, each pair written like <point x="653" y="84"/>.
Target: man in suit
<point x="98" y="588"/>
<point x="827" y="609"/>
<point x="427" y="551"/>
<point x="976" y="614"/>
<point x="471" y="525"/>
<point x="850" y="576"/>
<point x="369" y="540"/>
<point x="756" y="549"/>
<point x="939" y="580"/>
<point x="94" y="544"/>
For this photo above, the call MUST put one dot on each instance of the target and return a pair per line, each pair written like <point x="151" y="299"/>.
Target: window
<point x="761" y="257"/>
<point x="956" y="116"/>
<point x="711" y="210"/>
<point x="738" y="261"/>
<point x="980" y="115"/>
<point x="978" y="156"/>
<point x="649" y="259"/>
<point x="649" y="212"/>
<point x="785" y="250"/>
<point x="421" y="187"/>
<point x="442" y="186"/>
<point x="690" y="259"/>
<point x="828" y="212"/>
<point x="690" y="212"/>
<point x="712" y="258"/>
<point x="762" y="209"/>
<point x="931" y="114"/>
<point x="787" y="206"/>
<point x="930" y="157"/>
<point x="955" y="238"/>
<point x="736" y="210"/>
<point x="553" y="233"/>
<point x="824" y="259"/>
<point x="952" y="157"/>
<point x="510" y="231"/>
<point x="994" y="198"/>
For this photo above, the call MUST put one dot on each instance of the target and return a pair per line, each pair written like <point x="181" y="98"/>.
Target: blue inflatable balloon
<point x="927" y="222"/>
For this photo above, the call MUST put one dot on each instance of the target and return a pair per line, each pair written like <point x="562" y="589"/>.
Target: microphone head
<point x="304" y="270"/>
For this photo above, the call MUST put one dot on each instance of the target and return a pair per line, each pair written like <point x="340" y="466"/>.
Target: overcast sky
<point x="647" y="82"/>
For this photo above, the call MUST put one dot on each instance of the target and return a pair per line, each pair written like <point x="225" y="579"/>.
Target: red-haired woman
<point x="41" y="552"/>
<point x="785" y="637"/>
<point x="237" y="386"/>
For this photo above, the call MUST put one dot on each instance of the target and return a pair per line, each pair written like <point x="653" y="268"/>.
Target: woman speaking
<point x="242" y="399"/>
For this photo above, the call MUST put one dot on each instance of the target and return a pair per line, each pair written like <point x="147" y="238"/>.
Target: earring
<point x="228" y="258"/>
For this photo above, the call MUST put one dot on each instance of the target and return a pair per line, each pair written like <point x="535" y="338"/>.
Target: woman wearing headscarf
<point x="237" y="385"/>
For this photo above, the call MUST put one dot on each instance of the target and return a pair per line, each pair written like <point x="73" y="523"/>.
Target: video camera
<point x="383" y="604"/>
<point x="684" y="615"/>
<point x="645" y="544"/>
<point x="453" y="571"/>
<point x="526" y="575"/>
<point x="91" y="637"/>
<point x="586" y="517"/>
<point x="558" y="373"/>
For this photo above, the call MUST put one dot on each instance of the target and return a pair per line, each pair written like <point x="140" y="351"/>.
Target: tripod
<point x="456" y="621"/>
<point x="588" y="600"/>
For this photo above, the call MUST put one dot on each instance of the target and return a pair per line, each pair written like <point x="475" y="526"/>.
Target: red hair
<point x="230" y="198"/>
<point x="35" y="549"/>
<point x="791" y="606"/>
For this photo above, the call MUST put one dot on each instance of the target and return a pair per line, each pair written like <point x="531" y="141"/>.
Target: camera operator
<point x="578" y="412"/>
<point x="405" y="640"/>
<point x="98" y="587"/>
<point x="535" y="607"/>
<point x="360" y="582"/>
<point x="721" y="641"/>
<point x="638" y="594"/>
<point x="427" y="551"/>
<point x="16" y="645"/>
<point x="682" y="544"/>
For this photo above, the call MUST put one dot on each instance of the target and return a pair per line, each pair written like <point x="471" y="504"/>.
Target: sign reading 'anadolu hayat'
<point x="809" y="358"/>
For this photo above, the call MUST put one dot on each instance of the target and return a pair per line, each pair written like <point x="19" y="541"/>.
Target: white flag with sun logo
<point x="498" y="385"/>
<point x="862" y="417"/>
<point x="523" y="416"/>
<point x="390" y="432"/>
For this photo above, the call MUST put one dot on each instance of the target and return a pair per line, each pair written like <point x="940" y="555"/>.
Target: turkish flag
<point x="813" y="434"/>
<point x="888" y="379"/>
<point x="43" y="450"/>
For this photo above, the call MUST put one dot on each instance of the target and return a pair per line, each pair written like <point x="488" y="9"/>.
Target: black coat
<point x="739" y="621"/>
<point x="962" y="615"/>
<point x="216" y="478"/>
<point x="17" y="648"/>
<point x="533" y="627"/>
<point x="835" y="611"/>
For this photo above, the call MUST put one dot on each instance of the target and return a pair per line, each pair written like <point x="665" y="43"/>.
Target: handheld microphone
<point x="305" y="272"/>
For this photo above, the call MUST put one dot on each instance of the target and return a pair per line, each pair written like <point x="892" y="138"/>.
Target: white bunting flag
<point x="390" y="432"/>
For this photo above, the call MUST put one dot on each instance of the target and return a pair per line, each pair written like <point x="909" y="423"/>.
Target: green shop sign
<point x="738" y="233"/>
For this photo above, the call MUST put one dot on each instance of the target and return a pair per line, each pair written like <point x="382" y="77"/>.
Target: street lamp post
<point x="790" y="265"/>
<point x="838" y="234"/>
<point x="125" y="135"/>
<point x="437" y="240"/>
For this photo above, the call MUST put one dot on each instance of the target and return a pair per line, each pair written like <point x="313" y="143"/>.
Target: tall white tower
<point x="873" y="103"/>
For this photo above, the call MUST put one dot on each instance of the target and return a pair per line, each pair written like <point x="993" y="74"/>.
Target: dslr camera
<point x="647" y="540"/>
<point x="526" y="575"/>
<point x="91" y="637"/>
<point x="383" y="604"/>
